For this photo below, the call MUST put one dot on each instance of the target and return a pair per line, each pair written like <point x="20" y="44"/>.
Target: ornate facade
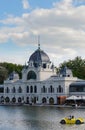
<point x="39" y="84"/>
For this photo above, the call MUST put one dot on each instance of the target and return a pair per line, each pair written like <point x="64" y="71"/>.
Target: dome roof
<point x="39" y="56"/>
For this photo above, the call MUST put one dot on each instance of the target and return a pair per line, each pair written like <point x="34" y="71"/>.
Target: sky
<point x="59" y="23"/>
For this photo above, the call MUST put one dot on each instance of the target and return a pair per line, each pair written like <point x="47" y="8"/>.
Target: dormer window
<point x="44" y="65"/>
<point x="66" y="72"/>
<point x="35" y="65"/>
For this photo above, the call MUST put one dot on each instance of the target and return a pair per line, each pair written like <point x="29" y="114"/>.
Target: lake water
<point x="37" y="118"/>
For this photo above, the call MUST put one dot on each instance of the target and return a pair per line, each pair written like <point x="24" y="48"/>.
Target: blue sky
<point x="14" y="7"/>
<point x="60" y="24"/>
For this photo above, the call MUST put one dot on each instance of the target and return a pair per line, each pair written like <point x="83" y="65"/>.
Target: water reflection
<point x="37" y="118"/>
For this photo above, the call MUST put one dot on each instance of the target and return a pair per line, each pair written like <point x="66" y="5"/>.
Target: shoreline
<point x="45" y="105"/>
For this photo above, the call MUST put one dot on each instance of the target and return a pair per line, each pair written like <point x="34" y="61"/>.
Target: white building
<point x="39" y="84"/>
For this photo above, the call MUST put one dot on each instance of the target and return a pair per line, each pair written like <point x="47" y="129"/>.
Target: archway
<point x="7" y="99"/>
<point x="44" y="100"/>
<point x="51" y="100"/>
<point x="13" y="99"/>
<point x="19" y="100"/>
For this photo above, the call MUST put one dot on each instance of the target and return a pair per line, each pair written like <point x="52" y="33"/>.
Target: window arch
<point x="44" y="100"/>
<point x="51" y="89"/>
<point x="59" y="89"/>
<point x="31" y="89"/>
<point x="51" y="100"/>
<point x="7" y="99"/>
<point x="19" y="89"/>
<point x="35" y="89"/>
<point x="7" y="90"/>
<point x="31" y="75"/>
<point x="13" y="99"/>
<point x="14" y="90"/>
<point x="44" y="89"/>
<point x="19" y="99"/>
<point x="44" y="65"/>
<point x="27" y="90"/>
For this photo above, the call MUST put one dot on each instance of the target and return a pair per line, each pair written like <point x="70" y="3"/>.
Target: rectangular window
<point x="1" y="90"/>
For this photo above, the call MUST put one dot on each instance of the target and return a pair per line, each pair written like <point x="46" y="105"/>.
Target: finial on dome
<point x="39" y="42"/>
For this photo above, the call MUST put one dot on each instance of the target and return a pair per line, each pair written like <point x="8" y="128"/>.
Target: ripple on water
<point x="37" y="118"/>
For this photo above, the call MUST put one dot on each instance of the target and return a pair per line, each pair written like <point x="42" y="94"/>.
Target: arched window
<point x="44" y="89"/>
<point x="19" y="89"/>
<point x="31" y="89"/>
<point x="44" y="65"/>
<point x="51" y="100"/>
<point x="31" y="75"/>
<point x="13" y="99"/>
<point x="51" y="89"/>
<point x="35" y="89"/>
<point x="27" y="89"/>
<point x="7" y="99"/>
<point x="14" y="90"/>
<point x="44" y="100"/>
<point x="7" y="90"/>
<point x="60" y="89"/>
<point x="19" y="100"/>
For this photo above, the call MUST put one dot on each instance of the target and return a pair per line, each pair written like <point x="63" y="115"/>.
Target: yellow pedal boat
<point x="72" y="120"/>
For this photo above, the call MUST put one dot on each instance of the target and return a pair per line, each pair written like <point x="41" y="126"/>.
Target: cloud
<point x="63" y="4"/>
<point x="61" y="28"/>
<point x="25" y="4"/>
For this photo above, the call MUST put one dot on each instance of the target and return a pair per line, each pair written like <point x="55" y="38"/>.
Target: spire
<point x="39" y="42"/>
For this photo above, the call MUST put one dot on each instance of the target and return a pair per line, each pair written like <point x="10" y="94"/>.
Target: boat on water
<point x="72" y="120"/>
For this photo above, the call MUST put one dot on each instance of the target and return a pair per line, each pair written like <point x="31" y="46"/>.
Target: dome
<point x="39" y="56"/>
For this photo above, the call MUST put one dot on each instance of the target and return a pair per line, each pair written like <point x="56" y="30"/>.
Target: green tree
<point x="10" y="67"/>
<point x="77" y="66"/>
<point x="3" y="74"/>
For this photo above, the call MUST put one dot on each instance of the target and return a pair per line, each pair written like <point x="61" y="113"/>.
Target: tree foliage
<point x="7" y="68"/>
<point x="3" y="74"/>
<point x="77" y="66"/>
